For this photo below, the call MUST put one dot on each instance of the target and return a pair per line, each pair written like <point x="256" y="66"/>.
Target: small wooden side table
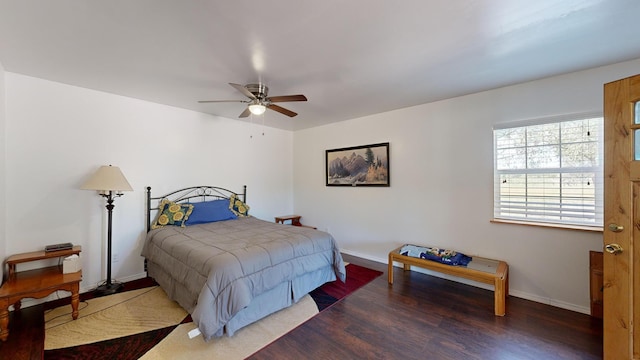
<point x="37" y="283"/>
<point x="295" y="219"/>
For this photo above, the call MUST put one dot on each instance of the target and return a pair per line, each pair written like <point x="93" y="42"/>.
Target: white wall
<point x="58" y="135"/>
<point x="3" y="241"/>
<point x="441" y="193"/>
<point x="441" y="175"/>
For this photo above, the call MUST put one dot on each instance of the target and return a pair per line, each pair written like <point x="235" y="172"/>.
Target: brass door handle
<point x="614" y="249"/>
<point x="616" y="227"/>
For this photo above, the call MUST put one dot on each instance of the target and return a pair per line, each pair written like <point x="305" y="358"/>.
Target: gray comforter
<point x="217" y="269"/>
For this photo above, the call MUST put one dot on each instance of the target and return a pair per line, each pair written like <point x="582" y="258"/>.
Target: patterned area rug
<point x="243" y="343"/>
<point x="123" y="342"/>
<point x="329" y="293"/>
<point x="110" y="317"/>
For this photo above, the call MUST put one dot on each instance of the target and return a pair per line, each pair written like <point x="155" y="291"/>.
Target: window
<point x="550" y="171"/>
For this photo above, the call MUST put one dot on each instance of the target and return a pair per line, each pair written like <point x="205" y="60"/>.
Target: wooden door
<point x="621" y="218"/>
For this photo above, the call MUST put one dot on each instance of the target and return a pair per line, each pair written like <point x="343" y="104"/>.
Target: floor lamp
<point x="109" y="182"/>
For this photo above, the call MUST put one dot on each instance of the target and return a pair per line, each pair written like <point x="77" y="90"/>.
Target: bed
<point x="227" y="268"/>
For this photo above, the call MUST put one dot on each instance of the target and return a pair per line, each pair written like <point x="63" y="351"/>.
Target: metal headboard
<point x="190" y="194"/>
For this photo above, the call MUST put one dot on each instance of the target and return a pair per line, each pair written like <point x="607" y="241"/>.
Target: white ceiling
<point x="350" y="58"/>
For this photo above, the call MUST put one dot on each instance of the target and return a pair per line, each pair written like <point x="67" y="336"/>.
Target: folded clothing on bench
<point x="448" y="257"/>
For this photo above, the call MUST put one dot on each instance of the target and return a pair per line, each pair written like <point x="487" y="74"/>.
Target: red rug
<point x="330" y="293"/>
<point x="134" y="346"/>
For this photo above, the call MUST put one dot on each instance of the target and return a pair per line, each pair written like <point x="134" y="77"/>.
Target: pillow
<point x="238" y="207"/>
<point x="170" y="213"/>
<point x="210" y="211"/>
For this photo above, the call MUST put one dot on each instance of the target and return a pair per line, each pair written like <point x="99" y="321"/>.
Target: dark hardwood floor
<point x="425" y="317"/>
<point x="26" y="334"/>
<point x="419" y="317"/>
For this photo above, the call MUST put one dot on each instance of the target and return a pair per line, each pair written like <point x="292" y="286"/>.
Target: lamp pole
<point x="109" y="287"/>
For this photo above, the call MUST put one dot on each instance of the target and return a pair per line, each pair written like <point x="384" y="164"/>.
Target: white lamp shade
<point x="107" y="178"/>
<point x="257" y="109"/>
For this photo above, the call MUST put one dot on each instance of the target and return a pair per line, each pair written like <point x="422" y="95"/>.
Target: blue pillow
<point x="210" y="211"/>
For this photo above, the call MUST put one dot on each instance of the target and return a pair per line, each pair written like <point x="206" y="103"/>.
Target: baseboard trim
<point x="364" y="256"/>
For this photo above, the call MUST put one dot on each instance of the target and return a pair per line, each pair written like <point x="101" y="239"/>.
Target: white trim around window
<point x="550" y="171"/>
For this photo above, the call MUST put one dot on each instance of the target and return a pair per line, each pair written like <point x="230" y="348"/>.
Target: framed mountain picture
<point x="366" y="165"/>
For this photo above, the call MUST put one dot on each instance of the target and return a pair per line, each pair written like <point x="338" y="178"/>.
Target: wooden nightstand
<point x="295" y="220"/>
<point x="36" y="283"/>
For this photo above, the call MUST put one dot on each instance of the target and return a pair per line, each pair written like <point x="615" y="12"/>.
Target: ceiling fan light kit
<point x="257" y="109"/>
<point x="259" y="102"/>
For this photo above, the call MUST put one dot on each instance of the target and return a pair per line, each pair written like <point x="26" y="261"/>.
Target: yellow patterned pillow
<point x="170" y="213"/>
<point x="237" y="206"/>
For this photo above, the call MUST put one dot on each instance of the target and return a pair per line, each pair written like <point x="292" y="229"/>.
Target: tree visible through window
<point x="550" y="172"/>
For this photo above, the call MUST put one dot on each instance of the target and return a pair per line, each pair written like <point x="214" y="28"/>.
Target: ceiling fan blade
<point x="281" y="110"/>
<point x="243" y="90"/>
<point x="286" y="98"/>
<point x="245" y="113"/>
<point x="216" y="101"/>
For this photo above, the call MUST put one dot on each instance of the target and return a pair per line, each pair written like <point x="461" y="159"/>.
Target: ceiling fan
<point x="259" y="102"/>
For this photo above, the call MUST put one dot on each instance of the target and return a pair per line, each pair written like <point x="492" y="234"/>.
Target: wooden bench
<point x="498" y="277"/>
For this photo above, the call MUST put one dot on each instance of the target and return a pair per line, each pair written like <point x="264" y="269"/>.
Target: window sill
<point x="550" y="225"/>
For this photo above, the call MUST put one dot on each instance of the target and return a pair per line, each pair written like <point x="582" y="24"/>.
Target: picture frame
<point x="365" y="165"/>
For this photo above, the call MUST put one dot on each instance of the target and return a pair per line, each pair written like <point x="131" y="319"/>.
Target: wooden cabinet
<point x="595" y="282"/>
<point x="36" y="283"/>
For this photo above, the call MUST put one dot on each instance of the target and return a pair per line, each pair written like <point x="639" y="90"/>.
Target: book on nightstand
<point x="58" y="247"/>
